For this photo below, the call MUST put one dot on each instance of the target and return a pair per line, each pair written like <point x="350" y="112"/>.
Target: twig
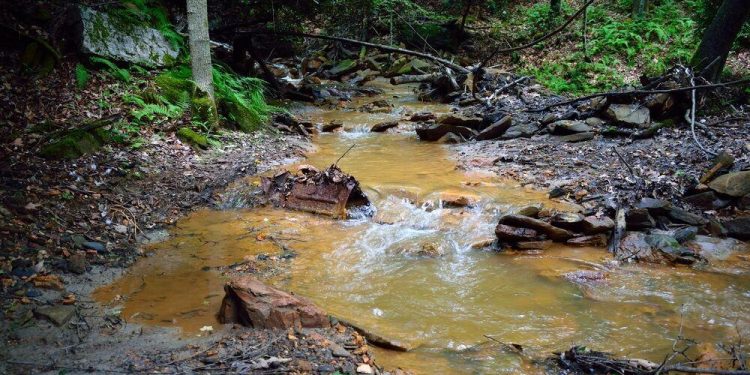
<point x="537" y="40"/>
<point x="641" y="92"/>
<point x="344" y="154"/>
<point x="624" y="162"/>
<point x="692" y="118"/>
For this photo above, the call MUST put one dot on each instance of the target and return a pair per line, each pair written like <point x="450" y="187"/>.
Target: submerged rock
<point x="251" y="303"/>
<point x="121" y="39"/>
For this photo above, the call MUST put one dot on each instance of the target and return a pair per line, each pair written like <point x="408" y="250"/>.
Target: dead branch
<point x="536" y="41"/>
<point x="381" y="47"/>
<point x="640" y="93"/>
<point x="397" y="80"/>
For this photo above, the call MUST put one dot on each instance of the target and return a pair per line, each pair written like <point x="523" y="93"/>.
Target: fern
<point x="82" y="76"/>
<point x="152" y="13"/>
<point x="112" y="68"/>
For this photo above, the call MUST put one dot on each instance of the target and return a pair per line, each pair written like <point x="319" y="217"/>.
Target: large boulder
<point x="251" y="303"/>
<point x="735" y="184"/>
<point x="121" y="39"/>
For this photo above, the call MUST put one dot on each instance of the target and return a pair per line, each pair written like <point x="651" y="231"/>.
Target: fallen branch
<point x="640" y="92"/>
<point x="382" y="47"/>
<point x="415" y="78"/>
<point x="537" y="40"/>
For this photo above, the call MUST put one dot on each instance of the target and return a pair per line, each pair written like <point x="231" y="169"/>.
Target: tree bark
<point x="718" y="38"/>
<point x="200" y="45"/>
<point x="555" y="7"/>
<point x="639" y="7"/>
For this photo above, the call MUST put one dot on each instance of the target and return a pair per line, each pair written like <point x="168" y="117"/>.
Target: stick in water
<point x="344" y="154"/>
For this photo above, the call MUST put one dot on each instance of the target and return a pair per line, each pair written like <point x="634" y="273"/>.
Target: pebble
<point x="364" y="369"/>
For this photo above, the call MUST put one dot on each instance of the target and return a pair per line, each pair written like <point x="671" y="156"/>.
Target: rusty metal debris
<point x="329" y="192"/>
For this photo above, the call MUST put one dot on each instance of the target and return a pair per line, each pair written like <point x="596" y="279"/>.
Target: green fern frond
<point x="82" y="76"/>
<point x="112" y="68"/>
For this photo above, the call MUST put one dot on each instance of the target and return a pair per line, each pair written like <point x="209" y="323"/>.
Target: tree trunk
<point x="467" y="9"/>
<point x="555" y="7"/>
<point x="200" y="45"/>
<point x="718" y="38"/>
<point x="639" y="7"/>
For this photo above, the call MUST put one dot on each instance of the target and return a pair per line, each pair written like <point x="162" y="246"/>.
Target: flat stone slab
<point x="59" y="315"/>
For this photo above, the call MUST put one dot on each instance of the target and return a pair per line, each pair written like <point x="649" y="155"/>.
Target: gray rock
<point x="98" y="246"/>
<point x="707" y="201"/>
<point x="434" y="132"/>
<point x="682" y="216"/>
<point x="685" y="234"/>
<point x="629" y="114"/>
<point x="594" y="240"/>
<point x="338" y="351"/>
<point x="119" y="39"/>
<point x="495" y="130"/>
<point x="565" y="127"/>
<point x="639" y="218"/>
<point x="714" y="248"/>
<point x="573" y="138"/>
<point x="520" y="131"/>
<point x="594" y="225"/>
<point x="77" y="263"/>
<point x="567" y="220"/>
<point x="461" y="120"/>
<point x="738" y="228"/>
<point x="735" y="184"/>
<point x="594" y="121"/>
<point x="508" y="233"/>
<point x="655" y="206"/>
<point x="59" y="315"/>
<point x="530" y="211"/>
<point x="634" y="247"/>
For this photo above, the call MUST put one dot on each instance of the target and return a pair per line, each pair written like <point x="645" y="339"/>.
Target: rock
<point x="670" y="249"/>
<point x="533" y="245"/>
<point x="551" y="231"/>
<point x="714" y="248"/>
<point x="383" y="126"/>
<point x="77" y="263"/>
<point x="192" y="138"/>
<point x="119" y="38"/>
<point x="364" y="369"/>
<point x="594" y="240"/>
<point x="716" y="229"/>
<point x="595" y="225"/>
<point x="338" y="351"/>
<point x="686" y="217"/>
<point x="685" y="234"/>
<point x="495" y="130"/>
<point x="461" y="120"/>
<point x="343" y="67"/>
<point x="457" y="199"/>
<point x="565" y="127"/>
<point x="735" y="184"/>
<point x="639" y="218"/>
<point x="744" y="203"/>
<point x="655" y="206"/>
<point x="450" y="138"/>
<point x="558" y="191"/>
<point x="481" y="244"/>
<point x="59" y="315"/>
<point x="520" y="131"/>
<point x="738" y="228"/>
<point x="422" y="116"/>
<point x="722" y="161"/>
<point x="573" y="138"/>
<point x="594" y="121"/>
<point x="629" y="115"/>
<point x="98" y="246"/>
<point x="434" y="132"/>
<point x="707" y="201"/>
<point x="377" y="340"/>
<point x="548" y="118"/>
<point x="251" y="303"/>
<point x="331" y="126"/>
<point x="530" y="211"/>
<point x="567" y="220"/>
<point x="508" y="233"/>
<point x="73" y="145"/>
<point x="634" y="247"/>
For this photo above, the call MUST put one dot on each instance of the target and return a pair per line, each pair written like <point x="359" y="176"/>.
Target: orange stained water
<point x="367" y="271"/>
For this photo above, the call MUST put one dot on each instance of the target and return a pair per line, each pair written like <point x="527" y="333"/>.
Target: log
<point x="398" y="80"/>
<point x="381" y="47"/>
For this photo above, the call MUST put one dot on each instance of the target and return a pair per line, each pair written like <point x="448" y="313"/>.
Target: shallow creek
<point x="364" y="269"/>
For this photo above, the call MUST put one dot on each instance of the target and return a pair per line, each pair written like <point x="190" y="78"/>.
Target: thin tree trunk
<point x="555" y="7"/>
<point x="639" y="8"/>
<point x="467" y="9"/>
<point x="718" y="38"/>
<point x="200" y="45"/>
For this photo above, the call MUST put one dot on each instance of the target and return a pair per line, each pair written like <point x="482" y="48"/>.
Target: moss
<point x="175" y="89"/>
<point x="73" y="145"/>
<point x="204" y="109"/>
<point x="192" y="138"/>
<point x="343" y="67"/>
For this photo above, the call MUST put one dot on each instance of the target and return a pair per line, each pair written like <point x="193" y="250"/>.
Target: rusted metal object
<point x="330" y="192"/>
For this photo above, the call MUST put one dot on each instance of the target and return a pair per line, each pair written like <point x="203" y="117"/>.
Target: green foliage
<point x="242" y="97"/>
<point x="193" y="138"/>
<point x="151" y="107"/>
<point x="111" y="68"/>
<point x="82" y="76"/>
<point x="151" y="12"/>
<point x="575" y="74"/>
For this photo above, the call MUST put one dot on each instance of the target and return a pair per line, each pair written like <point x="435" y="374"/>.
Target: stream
<point x="370" y="271"/>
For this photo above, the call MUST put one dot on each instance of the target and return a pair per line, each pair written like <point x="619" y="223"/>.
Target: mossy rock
<point x="397" y="66"/>
<point x="192" y="138"/>
<point x="204" y="109"/>
<point x="343" y="67"/>
<point x="242" y="117"/>
<point x="175" y="90"/>
<point x="75" y="144"/>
